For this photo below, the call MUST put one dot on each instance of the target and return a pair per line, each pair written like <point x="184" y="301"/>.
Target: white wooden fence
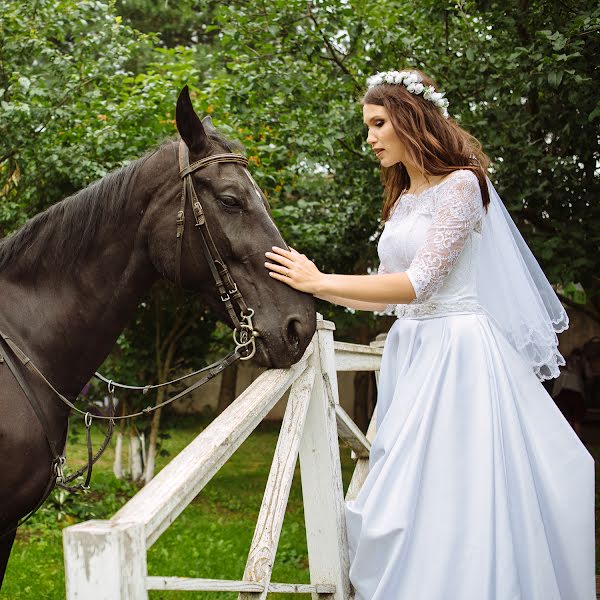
<point x="106" y="560"/>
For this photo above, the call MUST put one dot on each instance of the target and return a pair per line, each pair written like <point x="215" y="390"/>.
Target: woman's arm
<point x="391" y="288"/>
<point x="297" y="271"/>
<point x="354" y="304"/>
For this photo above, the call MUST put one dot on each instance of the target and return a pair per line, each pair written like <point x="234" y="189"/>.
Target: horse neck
<point x="69" y="322"/>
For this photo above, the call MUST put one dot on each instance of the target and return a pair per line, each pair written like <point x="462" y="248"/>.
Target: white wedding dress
<point x="478" y="488"/>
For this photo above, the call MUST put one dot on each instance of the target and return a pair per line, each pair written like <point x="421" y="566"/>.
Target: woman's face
<point x="382" y="137"/>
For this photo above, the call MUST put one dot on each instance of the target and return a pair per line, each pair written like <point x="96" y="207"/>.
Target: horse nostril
<point x="294" y="330"/>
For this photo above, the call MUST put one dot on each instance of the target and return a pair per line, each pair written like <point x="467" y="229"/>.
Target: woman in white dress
<point x="478" y="488"/>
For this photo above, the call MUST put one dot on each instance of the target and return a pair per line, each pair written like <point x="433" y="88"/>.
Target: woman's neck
<point x="419" y="180"/>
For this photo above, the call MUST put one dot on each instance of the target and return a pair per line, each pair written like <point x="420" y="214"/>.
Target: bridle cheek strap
<point x="228" y="290"/>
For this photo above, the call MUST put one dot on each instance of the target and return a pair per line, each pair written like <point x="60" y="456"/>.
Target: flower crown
<point x="412" y="82"/>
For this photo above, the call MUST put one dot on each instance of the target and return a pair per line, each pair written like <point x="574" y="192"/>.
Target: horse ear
<point x="208" y="124"/>
<point x="188" y="123"/>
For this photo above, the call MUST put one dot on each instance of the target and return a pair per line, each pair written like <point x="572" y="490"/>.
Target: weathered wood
<point x="201" y="585"/>
<point x="158" y="503"/>
<point x="320" y="471"/>
<point x="301" y="588"/>
<point x="221" y="585"/>
<point x="261" y="558"/>
<point x="356" y="357"/>
<point x="349" y="433"/>
<point x="105" y="561"/>
<point x="361" y="470"/>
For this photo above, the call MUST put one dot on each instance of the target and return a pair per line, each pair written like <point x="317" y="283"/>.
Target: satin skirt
<point x="478" y="488"/>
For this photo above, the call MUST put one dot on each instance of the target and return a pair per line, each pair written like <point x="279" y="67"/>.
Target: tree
<point x="520" y="76"/>
<point x="72" y="108"/>
<point x="81" y="94"/>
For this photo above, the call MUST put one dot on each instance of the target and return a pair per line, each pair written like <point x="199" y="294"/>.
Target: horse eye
<point x="229" y="201"/>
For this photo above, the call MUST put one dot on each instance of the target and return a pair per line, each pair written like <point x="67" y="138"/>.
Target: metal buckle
<point x="59" y="465"/>
<point x="198" y="213"/>
<point x="245" y="336"/>
<point x="180" y="222"/>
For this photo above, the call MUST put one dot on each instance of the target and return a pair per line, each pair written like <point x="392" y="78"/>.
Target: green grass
<point x="210" y="539"/>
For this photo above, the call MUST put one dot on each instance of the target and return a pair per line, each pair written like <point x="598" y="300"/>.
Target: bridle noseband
<point x="244" y="333"/>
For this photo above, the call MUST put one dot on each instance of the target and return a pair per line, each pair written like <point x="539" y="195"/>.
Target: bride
<point x="478" y="488"/>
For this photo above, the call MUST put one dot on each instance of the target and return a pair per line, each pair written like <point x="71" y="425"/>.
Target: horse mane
<point x="74" y="221"/>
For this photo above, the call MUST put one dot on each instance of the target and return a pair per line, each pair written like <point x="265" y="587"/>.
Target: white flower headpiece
<point x="412" y="82"/>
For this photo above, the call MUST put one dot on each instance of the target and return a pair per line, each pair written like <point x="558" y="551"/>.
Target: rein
<point x="244" y="336"/>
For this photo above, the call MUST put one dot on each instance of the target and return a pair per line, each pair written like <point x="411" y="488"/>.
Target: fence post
<point x="105" y="561"/>
<point x="321" y="474"/>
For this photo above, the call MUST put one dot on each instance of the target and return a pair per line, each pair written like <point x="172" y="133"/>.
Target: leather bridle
<point x="244" y="333"/>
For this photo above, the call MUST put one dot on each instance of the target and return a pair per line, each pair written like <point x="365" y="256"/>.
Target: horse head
<point x="237" y="216"/>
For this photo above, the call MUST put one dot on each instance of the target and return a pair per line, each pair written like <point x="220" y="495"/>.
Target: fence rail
<point x="106" y="560"/>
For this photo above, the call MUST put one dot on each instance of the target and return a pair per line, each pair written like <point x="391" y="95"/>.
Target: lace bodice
<point x="434" y="237"/>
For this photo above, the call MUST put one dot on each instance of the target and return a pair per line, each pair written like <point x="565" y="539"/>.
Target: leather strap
<point x="213" y="372"/>
<point x="224" y="282"/>
<point x="25" y="361"/>
<point x="209" y="160"/>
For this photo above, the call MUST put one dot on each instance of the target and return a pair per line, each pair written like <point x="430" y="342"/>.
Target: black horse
<point x="72" y="277"/>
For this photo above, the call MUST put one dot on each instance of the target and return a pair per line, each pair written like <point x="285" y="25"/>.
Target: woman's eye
<point x="229" y="201"/>
<point x="379" y="123"/>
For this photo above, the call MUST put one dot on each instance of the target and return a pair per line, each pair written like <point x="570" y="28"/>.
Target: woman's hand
<point x="294" y="269"/>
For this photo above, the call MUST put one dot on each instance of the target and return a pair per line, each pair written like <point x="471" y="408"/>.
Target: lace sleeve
<point x="390" y="308"/>
<point x="457" y="211"/>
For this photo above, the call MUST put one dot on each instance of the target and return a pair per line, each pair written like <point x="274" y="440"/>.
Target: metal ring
<point x="237" y="332"/>
<point x="88" y="419"/>
<point x="252" y="353"/>
<point x="111" y="387"/>
<point x="249" y="315"/>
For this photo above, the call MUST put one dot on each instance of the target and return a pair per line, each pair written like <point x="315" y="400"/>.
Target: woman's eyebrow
<point x="375" y="118"/>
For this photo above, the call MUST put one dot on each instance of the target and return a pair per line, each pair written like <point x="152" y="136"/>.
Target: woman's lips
<point x="378" y="152"/>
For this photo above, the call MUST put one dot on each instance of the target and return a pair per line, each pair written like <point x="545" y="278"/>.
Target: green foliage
<point x="83" y="93"/>
<point x="520" y="77"/>
<point x="72" y="107"/>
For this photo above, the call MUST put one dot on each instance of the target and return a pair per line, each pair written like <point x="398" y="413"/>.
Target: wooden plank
<point x="263" y="548"/>
<point x="159" y="502"/>
<point x="221" y="585"/>
<point x="201" y="585"/>
<point x="105" y="561"/>
<point x="350" y="434"/>
<point x="356" y="357"/>
<point x="301" y="588"/>
<point x="320" y="469"/>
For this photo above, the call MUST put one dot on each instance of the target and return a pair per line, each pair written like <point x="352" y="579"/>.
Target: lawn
<point x="210" y="539"/>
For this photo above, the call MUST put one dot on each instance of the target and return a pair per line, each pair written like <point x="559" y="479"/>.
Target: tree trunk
<point x="153" y="439"/>
<point x="118" y="462"/>
<point x="164" y="349"/>
<point x="135" y="456"/>
<point x="227" y="390"/>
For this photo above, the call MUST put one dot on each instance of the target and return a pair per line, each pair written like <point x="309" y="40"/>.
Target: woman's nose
<point x="371" y="139"/>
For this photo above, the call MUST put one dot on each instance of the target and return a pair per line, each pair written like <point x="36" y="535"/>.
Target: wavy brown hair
<point x="438" y="146"/>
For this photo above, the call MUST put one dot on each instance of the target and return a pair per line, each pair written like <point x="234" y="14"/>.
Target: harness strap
<point x="224" y="282"/>
<point x="187" y="169"/>
<point x="56" y="456"/>
<point x="27" y="389"/>
<point x="213" y="372"/>
<point x="180" y="223"/>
